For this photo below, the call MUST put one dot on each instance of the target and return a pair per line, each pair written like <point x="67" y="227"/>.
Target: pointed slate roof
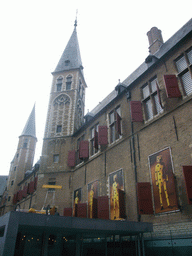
<point x="29" y="129"/>
<point x="71" y="57"/>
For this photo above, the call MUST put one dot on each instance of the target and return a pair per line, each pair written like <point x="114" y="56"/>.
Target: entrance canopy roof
<point x="32" y="222"/>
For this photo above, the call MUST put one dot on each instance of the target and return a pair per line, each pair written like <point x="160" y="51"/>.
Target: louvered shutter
<point x="31" y="187"/>
<point x="83" y="149"/>
<point x="82" y="210"/>
<point x="171" y="86"/>
<point x="102" y="135"/>
<point x="187" y="171"/>
<point x="20" y="195"/>
<point x="144" y="198"/>
<point x="15" y="198"/>
<point x="136" y="111"/>
<point x="96" y="139"/>
<point x="35" y="182"/>
<point x="71" y="158"/>
<point x="24" y="191"/>
<point x="67" y="212"/>
<point x="118" y="123"/>
<point x="103" y="207"/>
<point x="121" y="203"/>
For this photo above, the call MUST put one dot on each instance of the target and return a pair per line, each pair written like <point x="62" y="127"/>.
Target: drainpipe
<point x="134" y="161"/>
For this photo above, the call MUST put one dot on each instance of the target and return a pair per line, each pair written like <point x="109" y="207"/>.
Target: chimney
<point x="155" y="40"/>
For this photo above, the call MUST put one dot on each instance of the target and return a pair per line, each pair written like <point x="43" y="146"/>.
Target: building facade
<point x="133" y="150"/>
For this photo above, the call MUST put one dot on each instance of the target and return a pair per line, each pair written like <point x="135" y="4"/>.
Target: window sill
<point x="116" y="141"/>
<point x="94" y="154"/>
<point x="153" y="118"/>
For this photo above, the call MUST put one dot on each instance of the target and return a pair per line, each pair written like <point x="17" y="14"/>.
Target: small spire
<point x="29" y="129"/>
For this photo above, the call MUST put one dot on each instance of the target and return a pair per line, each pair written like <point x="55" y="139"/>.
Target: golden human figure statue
<point x="115" y="196"/>
<point x="161" y="179"/>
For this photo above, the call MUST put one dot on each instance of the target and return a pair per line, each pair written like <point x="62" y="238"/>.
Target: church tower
<point x="64" y="118"/>
<point x="23" y="159"/>
<point x="67" y="99"/>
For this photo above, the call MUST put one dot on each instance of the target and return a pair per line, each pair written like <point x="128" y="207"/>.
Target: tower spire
<point x="75" y="24"/>
<point x="71" y="57"/>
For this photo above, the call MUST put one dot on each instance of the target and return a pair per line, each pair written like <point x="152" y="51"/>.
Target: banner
<point x="76" y="199"/>
<point x="93" y="192"/>
<point x="164" y="193"/>
<point x="115" y="183"/>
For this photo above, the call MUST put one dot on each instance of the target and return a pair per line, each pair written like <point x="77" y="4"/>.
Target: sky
<point x="113" y="43"/>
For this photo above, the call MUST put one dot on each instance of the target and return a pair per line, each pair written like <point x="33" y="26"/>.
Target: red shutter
<point x="19" y="195"/>
<point x="35" y="182"/>
<point x="67" y="212"/>
<point x="103" y="135"/>
<point x="96" y="139"/>
<point x="103" y="207"/>
<point x="121" y="203"/>
<point x="30" y="187"/>
<point x="15" y="198"/>
<point x="118" y="123"/>
<point x="82" y="210"/>
<point x="172" y="87"/>
<point x="71" y="158"/>
<point x="144" y="198"/>
<point x="136" y="111"/>
<point x="187" y="171"/>
<point x="83" y="149"/>
<point x="24" y="192"/>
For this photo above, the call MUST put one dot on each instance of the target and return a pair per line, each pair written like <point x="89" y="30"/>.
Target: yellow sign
<point x="52" y="186"/>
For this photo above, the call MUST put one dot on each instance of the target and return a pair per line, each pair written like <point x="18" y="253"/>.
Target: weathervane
<point x="76" y="19"/>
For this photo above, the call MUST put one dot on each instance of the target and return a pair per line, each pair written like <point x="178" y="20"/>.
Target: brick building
<point x="131" y="153"/>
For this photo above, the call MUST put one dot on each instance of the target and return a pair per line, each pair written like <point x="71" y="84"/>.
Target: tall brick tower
<point x="67" y="99"/>
<point x="23" y="159"/>
<point x="64" y="117"/>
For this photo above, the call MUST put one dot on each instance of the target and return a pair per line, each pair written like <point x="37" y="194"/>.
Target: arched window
<point x="68" y="82"/>
<point x="25" y="143"/>
<point x="59" y="83"/>
<point x="60" y="115"/>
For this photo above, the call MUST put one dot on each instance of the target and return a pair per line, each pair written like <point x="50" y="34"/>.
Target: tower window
<point x="59" y="127"/>
<point x="12" y="182"/>
<point x="67" y="63"/>
<point x="59" y="83"/>
<point x="25" y="143"/>
<point x="68" y="83"/>
<point x="9" y="198"/>
<point x="15" y="168"/>
<point x="56" y="158"/>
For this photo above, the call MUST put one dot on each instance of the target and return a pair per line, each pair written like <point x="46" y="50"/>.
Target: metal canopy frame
<point x="15" y="222"/>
